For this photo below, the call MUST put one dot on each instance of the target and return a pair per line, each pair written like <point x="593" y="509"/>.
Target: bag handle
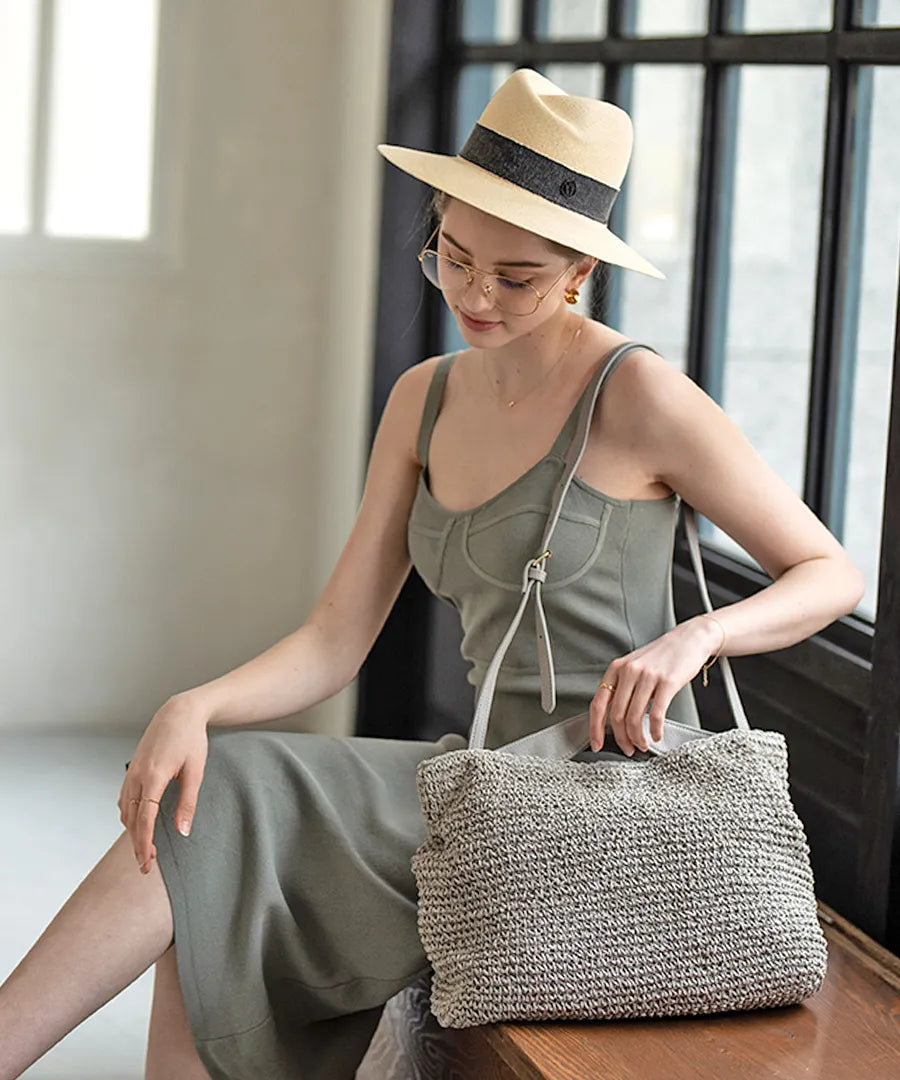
<point x="572" y="735"/>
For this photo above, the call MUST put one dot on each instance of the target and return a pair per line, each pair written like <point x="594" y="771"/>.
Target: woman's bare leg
<point x="171" y="1052"/>
<point x="110" y="930"/>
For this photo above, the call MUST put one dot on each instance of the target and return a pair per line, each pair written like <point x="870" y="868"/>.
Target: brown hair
<point x="438" y="207"/>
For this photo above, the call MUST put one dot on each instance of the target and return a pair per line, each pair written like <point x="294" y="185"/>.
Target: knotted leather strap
<point x="559" y="739"/>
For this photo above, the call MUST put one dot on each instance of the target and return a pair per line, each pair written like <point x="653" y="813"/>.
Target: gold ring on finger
<point x="606" y="686"/>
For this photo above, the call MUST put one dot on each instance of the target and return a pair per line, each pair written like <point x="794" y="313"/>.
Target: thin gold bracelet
<point x="709" y="663"/>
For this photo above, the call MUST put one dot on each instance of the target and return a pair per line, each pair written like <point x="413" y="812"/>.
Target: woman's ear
<point x="583" y="271"/>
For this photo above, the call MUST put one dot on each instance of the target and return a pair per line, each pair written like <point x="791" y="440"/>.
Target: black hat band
<point x="539" y="174"/>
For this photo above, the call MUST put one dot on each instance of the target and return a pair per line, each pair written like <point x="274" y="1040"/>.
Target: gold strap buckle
<point x="541" y="558"/>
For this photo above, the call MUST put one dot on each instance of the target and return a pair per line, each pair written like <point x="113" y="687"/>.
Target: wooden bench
<point x="849" y="1030"/>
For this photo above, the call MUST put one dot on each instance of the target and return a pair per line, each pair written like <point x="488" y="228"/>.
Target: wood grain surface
<point x="850" y="1030"/>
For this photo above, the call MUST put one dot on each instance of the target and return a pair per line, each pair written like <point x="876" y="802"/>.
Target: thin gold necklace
<point x="515" y="401"/>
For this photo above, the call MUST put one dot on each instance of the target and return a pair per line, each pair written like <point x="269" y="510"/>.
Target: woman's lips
<point x="475" y="324"/>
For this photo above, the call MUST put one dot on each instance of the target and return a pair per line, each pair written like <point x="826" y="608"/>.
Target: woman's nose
<point x="483" y="291"/>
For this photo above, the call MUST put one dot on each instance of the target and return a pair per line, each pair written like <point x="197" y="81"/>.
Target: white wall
<point x="183" y="433"/>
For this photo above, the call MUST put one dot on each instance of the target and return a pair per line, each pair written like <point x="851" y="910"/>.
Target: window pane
<point x="103" y="85"/>
<point x="570" y="19"/>
<point x="477" y="85"/>
<point x="583" y="80"/>
<point x="659" y="192"/>
<point x="18" y="56"/>
<point x="670" y="18"/>
<point x="768" y="15"/>
<point x="878" y="13"/>
<point x="771" y="264"/>
<point x="870" y="318"/>
<point x="491" y="20"/>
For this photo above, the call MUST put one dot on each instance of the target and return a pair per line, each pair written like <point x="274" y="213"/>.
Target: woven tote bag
<point x="673" y="882"/>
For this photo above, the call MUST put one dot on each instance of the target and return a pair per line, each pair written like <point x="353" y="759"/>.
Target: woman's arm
<point x="689" y="443"/>
<point x="324" y="655"/>
<point x="696" y="449"/>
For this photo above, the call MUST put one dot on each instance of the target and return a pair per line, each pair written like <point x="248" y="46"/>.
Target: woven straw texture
<point x="679" y="884"/>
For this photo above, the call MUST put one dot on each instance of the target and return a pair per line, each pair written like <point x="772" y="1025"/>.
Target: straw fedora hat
<point x="542" y="159"/>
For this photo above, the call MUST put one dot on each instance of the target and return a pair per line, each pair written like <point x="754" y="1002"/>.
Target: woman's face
<point x="478" y="239"/>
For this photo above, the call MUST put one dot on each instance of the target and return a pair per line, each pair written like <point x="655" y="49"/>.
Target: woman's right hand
<point x="175" y="744"/>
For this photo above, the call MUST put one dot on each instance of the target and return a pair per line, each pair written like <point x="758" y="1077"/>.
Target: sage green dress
<point x="293" y="899"/>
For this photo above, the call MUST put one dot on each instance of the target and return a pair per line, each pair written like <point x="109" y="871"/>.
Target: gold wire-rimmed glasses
<point x="452" y="276"/>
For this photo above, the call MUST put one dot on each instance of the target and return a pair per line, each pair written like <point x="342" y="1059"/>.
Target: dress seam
<point x="236" y="1034"/>
<point x="623" y="590"/>
<point x="356" y="978"/>
<point x="445" y="544"/>
<point x="531" y="670"/>
<point x="311" y="986"/>
<point x="184" y="950"/>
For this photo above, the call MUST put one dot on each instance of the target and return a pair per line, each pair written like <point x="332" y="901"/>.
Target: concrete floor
<point x="58" y="815"/>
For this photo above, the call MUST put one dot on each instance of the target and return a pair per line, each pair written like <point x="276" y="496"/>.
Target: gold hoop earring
<point x="571" y="296"/>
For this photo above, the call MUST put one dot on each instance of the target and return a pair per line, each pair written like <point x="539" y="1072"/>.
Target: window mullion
<point x="712" y="231"/>
<point x="834" y="320"/>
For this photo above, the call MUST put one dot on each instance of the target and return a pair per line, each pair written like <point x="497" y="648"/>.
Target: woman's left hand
<point x="657" y="671"/>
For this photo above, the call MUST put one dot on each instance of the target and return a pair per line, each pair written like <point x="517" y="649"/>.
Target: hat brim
<point x="483" y="189"/>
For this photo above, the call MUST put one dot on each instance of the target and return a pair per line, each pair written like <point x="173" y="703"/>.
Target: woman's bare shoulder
<point x="425" y="369"/>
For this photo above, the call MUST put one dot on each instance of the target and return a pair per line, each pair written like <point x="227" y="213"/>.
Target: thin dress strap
<point x="432" y="406"/>
<point x="564" y="439"/>
<point x="588" y="400"/>
<point x="602" y="371"/>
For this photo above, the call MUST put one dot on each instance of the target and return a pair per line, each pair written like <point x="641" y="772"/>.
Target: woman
<point x="285" y="917"/>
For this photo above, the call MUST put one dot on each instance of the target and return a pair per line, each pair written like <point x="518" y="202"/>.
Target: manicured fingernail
<point x="184" y="828"/>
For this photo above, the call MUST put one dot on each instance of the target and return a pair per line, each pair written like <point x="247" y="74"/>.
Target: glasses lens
<point x="510" y="296"/>
<point x="443" y="272"/>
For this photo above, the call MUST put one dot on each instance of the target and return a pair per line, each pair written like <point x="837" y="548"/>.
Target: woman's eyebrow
<point x="455" y="243"/>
